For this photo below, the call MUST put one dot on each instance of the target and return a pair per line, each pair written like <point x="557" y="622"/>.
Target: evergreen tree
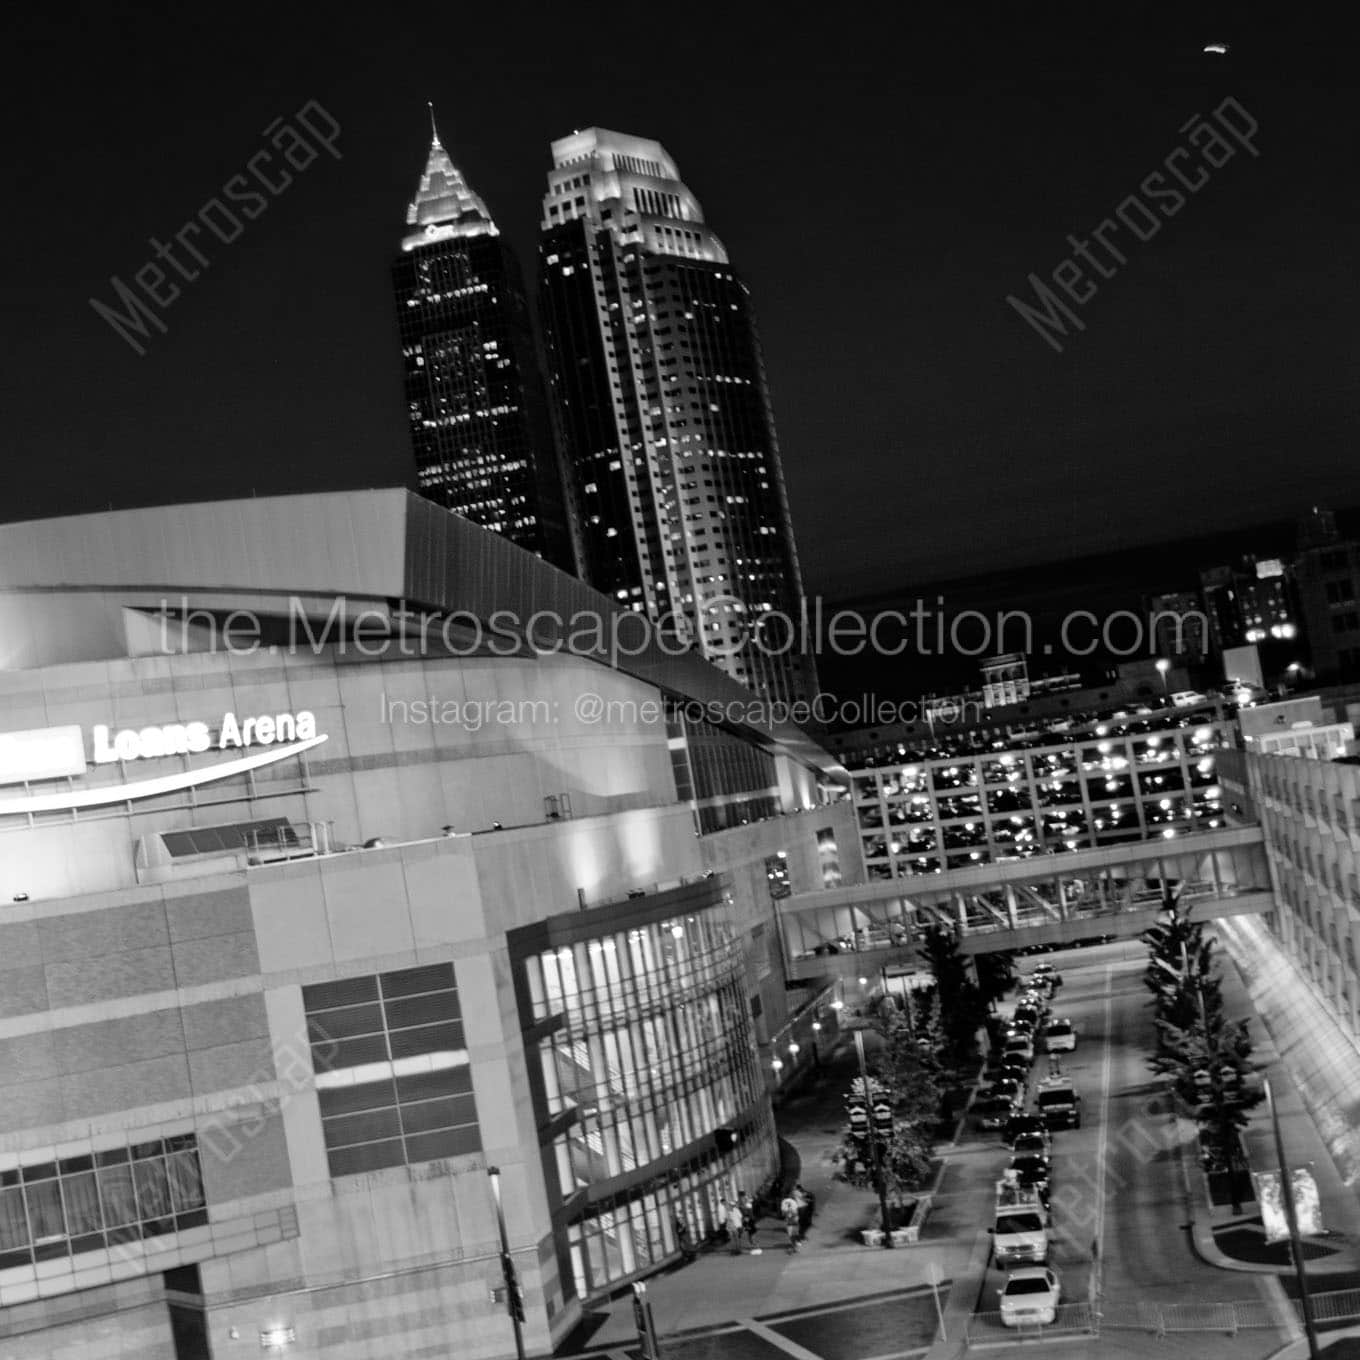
<point x="963" y="1008"/>
<point x="1207" y="1059"/>
<point x="996" y="975"/>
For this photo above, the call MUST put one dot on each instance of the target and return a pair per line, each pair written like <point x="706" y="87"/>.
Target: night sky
<point x="882" y="185"/>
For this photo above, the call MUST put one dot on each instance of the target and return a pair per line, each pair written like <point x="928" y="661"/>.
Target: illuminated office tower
<point x="665" y="422"/>
<point x="474" y="393"/>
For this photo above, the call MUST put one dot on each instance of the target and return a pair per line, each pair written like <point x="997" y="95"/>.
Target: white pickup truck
<point x="1020" y="1235"/>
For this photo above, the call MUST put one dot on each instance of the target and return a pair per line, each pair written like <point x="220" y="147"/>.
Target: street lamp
<point x="873" y="1144"/>
<point x="1163" y="666"/>
<point x="1292" y="1218"/>
<point x="514" y="1295"/>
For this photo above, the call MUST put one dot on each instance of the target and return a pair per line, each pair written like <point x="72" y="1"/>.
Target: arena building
<point x="330" y="879"/>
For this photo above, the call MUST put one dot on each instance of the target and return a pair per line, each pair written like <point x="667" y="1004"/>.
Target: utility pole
<point x="514" y="1295"/>
<point x="873" y="1146"/>
<point x="1292" y="1218"/>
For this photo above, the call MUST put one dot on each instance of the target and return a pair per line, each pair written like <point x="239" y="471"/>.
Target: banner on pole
<point x="1307" y="1204"/>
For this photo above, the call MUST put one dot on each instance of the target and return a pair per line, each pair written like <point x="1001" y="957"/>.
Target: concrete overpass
<point x="1114" y="890"/>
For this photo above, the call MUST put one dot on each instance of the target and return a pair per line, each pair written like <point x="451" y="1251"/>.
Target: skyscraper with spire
<point x="665" y="421"/>
<point x="475" y="402"/>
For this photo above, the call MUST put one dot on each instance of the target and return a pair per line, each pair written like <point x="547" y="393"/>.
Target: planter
<point x="905" y="1224"/>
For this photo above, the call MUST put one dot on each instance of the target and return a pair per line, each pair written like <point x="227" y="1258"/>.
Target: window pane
<point x="186" y="1181"/>
<point x="343" y="1024"/>
<point x="452" y="1081"/>
<point x="362" y="1128"/>
<point x="153" y="1188"/>
<point x="370" y="1095"/>
<point x="82" y="1203"/>
<point x="422" y="1010"/>
<point x="347" y="992"/>
<point x="13" y="1220"/>
<point x="408" y="1043"/>
<point x="437" y="1114"/>
<point x="350" y="1053"/>
<point x="116" y="1195"/>
<point x="409" y="981"/>
<point x="366" y="1157"/>
<point x="425" y="1147"/>
<point x="45" y="1212"/>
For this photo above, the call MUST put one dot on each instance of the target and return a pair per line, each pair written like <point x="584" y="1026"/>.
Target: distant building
<point x="1180" y="627"/>
<point x="1005" y="680"/>
<point x="664" y="411"/>
<point x="1327" y="570"/>
<point x="1249" y="603"/>
<point x="475" y="402"/>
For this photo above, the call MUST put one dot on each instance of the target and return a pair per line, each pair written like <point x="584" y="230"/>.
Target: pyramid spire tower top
<point x="445" y="206"/>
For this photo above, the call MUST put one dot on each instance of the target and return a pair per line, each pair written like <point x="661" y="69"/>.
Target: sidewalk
<point x="832" y="1266"/>
<point x="1217" y="1227"/>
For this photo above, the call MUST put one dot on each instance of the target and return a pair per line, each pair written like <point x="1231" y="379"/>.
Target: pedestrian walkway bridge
<point x="1114" y="890"/>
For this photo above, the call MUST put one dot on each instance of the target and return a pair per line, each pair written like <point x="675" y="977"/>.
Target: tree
<point x="1206" y="1058"/>
<point x="962" y="1005"/>
<point x="996" y="975"/>
<point x="905" y="1155"/>
<point x="1180" y="973"/>
<point x="905" y="1076"/>
<point x="908" y="1066"/>
<point x="1210" y="1070"/>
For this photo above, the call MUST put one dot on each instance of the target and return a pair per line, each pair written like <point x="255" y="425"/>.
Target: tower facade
<point x="475" y="401"/>
<point x="664" y="413"/>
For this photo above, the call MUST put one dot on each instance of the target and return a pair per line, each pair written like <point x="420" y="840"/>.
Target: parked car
<point x="1021" y="1046"/>
<point x="1009" y="1068"/>
<point x="1033" y="1144"/>
<point x="1030" y="1295"/>
<point x="1060" y="1036"/>
<point x="1033" y="1171"/>
<point x="1049" y="973"/>
<point x="996" y="1102"/>
<point x="1022" y="1123"/>
<point x="1059" y="1104"/>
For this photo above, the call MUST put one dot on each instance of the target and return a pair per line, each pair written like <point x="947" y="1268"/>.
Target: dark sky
<point x="882" y="178"/>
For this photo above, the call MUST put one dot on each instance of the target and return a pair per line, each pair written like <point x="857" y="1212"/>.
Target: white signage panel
<point x="42" y="753"/>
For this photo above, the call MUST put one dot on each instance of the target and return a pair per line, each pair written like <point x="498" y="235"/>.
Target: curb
<point x="1201" y="1229"/>
<point x="1295" y="1350"/>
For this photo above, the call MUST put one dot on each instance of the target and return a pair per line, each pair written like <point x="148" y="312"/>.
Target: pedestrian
<point x="748" y="1219"/>
<point x="734" y="1227"/>
<point x="804" y="1209"/>
<point x="683" y="1239"/>
<point x="788" y="1209"/>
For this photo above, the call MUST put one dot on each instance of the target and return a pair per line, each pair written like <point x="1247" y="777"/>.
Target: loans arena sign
<point x="193" y="738"/>
<point x="59" y="753"/>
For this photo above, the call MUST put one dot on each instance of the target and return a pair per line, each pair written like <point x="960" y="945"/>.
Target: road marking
<point x="917" y="1291"/>
<point x="781" y="1342"/>
<point x="1102" y="1141"/>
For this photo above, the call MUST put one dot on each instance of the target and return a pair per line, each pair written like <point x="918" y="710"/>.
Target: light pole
<point x="1163" y="666"/>
<point x="1292" y="1218"/>
<point x="873" y="1144"/>
<point x="514" y="1296"/>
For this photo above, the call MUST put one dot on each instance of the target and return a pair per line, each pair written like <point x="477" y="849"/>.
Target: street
<point x="1119" y="1216"/>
